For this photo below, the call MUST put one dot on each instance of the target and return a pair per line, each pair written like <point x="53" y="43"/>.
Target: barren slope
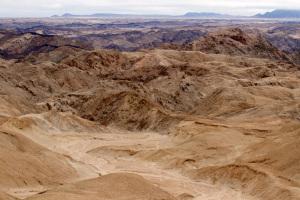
<point x="112" y="186"/>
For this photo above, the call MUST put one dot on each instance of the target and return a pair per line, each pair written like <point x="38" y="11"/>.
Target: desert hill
<point x="236" y="41"/>
<point x="112" y="186"/>
<point x="21" y="158"/>
<point x="14" y="45"/>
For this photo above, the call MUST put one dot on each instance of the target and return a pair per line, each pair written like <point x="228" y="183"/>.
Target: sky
<point x="45" y="8"/>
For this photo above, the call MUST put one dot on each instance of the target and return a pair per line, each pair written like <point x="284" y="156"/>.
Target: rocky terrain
<point x="209" y="113"/>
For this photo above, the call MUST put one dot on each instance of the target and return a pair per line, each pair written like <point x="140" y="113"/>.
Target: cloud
<point x="34" y="8"/>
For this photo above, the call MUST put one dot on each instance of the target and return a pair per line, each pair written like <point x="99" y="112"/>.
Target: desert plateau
<point x="127" y="108"/>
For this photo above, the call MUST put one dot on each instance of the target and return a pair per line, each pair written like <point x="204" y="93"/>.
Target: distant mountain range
<point x="280" y="14"/>
<point x="206" y="15"/>
<point x="273" y="14"/>
<point x="108" y="15"/>
<point x="187" y="15"/>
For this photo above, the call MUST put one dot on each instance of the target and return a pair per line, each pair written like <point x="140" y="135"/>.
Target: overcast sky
<point x="44" y="8"/>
